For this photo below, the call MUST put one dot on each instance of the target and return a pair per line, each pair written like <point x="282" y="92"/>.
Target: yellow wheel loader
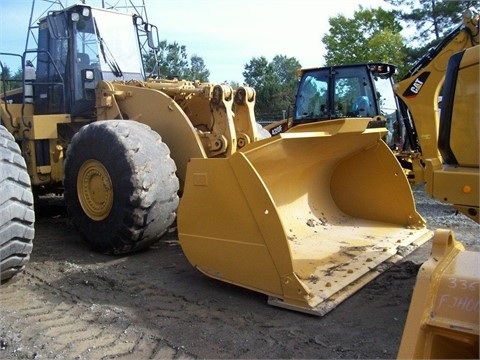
<point x="307" y="216"/>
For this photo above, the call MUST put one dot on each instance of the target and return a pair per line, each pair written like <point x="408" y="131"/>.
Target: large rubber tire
<point x="120" y="185"/>
<point x="17" y="216"/>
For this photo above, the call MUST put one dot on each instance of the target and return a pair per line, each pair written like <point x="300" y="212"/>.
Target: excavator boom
<point x="429" y="153"/>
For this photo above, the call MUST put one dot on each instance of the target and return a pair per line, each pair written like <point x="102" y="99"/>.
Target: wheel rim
<point x="94" y="189"/>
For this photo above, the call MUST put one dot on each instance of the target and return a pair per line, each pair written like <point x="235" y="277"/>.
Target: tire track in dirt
<point x="63" y="321"/>
<point x="168" y="307"/>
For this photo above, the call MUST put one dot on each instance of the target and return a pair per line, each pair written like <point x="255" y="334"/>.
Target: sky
<point x="227" y="34"/>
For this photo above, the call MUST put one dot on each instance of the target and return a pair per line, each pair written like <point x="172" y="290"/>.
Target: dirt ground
<point x="73" y="303"/>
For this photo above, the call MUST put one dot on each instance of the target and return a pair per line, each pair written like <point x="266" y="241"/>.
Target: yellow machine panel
<point x="443" y="320"/>
<point x="305" y="217"/>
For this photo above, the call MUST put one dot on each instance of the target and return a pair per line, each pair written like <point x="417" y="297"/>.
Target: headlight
<point x="89" y="75"/>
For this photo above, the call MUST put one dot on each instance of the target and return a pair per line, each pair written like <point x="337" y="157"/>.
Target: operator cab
<point x="347" y="91"/>
<point x="78" y="47"/>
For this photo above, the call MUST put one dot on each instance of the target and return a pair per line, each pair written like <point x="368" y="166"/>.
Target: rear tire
<point x="17" y="216"/>
<point x="120" y="185"/>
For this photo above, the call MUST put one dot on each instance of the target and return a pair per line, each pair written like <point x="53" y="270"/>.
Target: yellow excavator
<point x="442" y="155"/>
<point x="304" y="216"/>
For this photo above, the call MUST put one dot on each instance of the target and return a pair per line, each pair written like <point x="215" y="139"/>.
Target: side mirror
<point x="152" y="36"/>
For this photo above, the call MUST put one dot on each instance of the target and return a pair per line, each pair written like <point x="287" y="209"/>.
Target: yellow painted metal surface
<point x="443" y="319"/>
<point x="465" y="124"/>
<point x="424" y="105"/>
<point x="458" y="183"/>
<point x="95" y="190"/>
<point x="45" y="126"/>
<point x="306" y="217"/>
<point x="134" y="101"/>
<point x="30" y="129"/>
<point x="454" y="185"/>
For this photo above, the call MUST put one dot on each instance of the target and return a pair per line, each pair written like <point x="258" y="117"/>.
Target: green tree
<point x="256" y="71"/>
<point x="197" y="70"/>
<point x="275" y="84"/>
<point x="9" y="81"/>
<point x="431" y="20"/>
<point x="372" y="35"/>
<point x="171" y="60"/>
<point x="4" y="76"/>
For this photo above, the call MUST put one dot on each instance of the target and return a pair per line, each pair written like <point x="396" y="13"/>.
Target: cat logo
<point x="415" y="87"/>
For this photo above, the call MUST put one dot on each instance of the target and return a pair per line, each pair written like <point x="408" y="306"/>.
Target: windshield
<point x="330" y="93"/>
<point x="119" y="52"/>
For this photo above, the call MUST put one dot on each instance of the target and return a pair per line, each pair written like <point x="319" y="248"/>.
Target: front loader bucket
<point x="307" y="217"/>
